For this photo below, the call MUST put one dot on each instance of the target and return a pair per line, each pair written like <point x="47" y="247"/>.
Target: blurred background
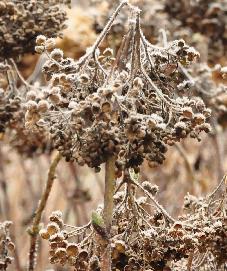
<point x="190" y="166"/>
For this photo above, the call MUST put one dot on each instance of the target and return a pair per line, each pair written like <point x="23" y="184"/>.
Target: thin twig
<point x="102" y="35"/>
<point x="34" y="230"/>
<point x="164" y="37"/>
<point x="190" y="261"/>
<point x="211" y="196"/>
<point x="19" y="74"/>
<point x="109" y="191"/>
<point x="164" y="212"/>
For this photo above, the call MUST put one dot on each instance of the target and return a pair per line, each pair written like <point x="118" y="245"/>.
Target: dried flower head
<point x="207" y="17"/>
<point x="125" y="105"/>
<point x="22" y="21"/>
<point x="153" y="239"/>
<point x="16" y="99"/>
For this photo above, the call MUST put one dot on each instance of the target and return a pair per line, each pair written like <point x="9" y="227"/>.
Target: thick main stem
<point x="108" y="209"/>
<point x="109" y="192"/>
<point x="34" y="230"/>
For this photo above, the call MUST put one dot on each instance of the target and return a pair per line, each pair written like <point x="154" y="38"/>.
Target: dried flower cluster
<point x="214" y="94"/>
<point x="125" y="101"/>
<point x="6" y="245"/>
<point x="201" y="23"/>
<point x="207" y="17"/>
<point x="62" y="250"/>
<point x="128" y="105"/>
<point x="22" y="21"/>
<point x="7" y="105"/>
<point x="12" y="113"/>
<point x="151" y="19"/>
<point x="153" y="240"/>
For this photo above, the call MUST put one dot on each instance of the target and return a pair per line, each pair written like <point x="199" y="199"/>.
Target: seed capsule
<point x="72" y="250"/>
<point x="53" y="228"/>
<point x="44" y="234"/>
<point x="40" y="40"/>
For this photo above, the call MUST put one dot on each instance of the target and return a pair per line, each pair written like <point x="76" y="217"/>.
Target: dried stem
<point x="154" y="201"/>
<point x="103" y="34"/>
<point x="109" y="192"/>
<point x="34" y="230"/>
<point x="211" y="196"/>
<point x="19" y="74"/>
<point x="164" y="37"/>
<point x="108" y="209"/>
<point x="37" y="70"/>
<point x="190" y="261"/>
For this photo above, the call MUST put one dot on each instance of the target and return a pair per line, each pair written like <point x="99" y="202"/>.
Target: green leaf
<point x="98" y="224"/>
<point x="97" y="219"/>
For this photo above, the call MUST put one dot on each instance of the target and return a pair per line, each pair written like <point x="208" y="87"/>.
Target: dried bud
<point x="40" y="40"/>
<point x="55" y="98"/>
<point x="39" y="49"/>
<point x="181" y="43"/>
<point x="187" y="112"/>
<point x="120" y="246"/>
<point x="108" y="52"/>
<point x="57" y="218"/>
<point x="72" y="250"/>
<point x="152" y="189"/>
<point x="53" y="228"/>
<point x="138" y="83"/>
<point x="44" y="234"/>
<point x="224" y="72"/>
<point x="31" y="95"/>
<point x="106" y="107"/>
<point x="61" y="253"/>
<point x="83" y="255"/>
<point x="199" y="118"/>
<point x="50" y="44"/>
<point x="2" y="6"/>
<point x="56" y="54"/>
<point x="11" y="246"/>
<point x="84" y="79"/>
<point x="31" y="105"/>
<point x="43" y="106"/>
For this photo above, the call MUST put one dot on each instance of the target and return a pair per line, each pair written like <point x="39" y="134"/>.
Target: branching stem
<point x="103" y="34"/>
<point x="154" y="201"/>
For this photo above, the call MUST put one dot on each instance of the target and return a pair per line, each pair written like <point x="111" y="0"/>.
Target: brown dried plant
<point x="22" y="21"/>
<point x="153" y="240"/>
<point x="6" y="245"/>
<point x="116" y="109"/>
<point x="122" y="104"/>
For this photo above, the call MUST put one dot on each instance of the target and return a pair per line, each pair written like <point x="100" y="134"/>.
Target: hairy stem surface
<point x="108" y="209"/>
<point x="34" y="230"/>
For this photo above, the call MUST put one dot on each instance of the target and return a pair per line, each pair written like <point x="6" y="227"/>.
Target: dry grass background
<point x="77" y="190"/>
